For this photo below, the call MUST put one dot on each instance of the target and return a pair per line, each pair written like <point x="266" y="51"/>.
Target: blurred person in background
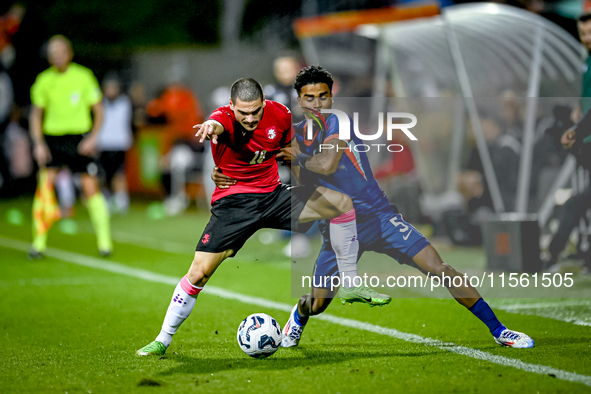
<point x="180" y="109"/>
<point x="504" y="151"/>
<point x="115" y="138"/>
<point x="511" y="119"/>
<point x="137" y="93"/>
<point x="9" y="25"/>
<point x="577" y="140"/>
<point x="17" y="151"/>
<point x="285" y="69"/>
<point x="65" y="135"/>
<point x="584" y="29"/>
<point x="6" y="102"/>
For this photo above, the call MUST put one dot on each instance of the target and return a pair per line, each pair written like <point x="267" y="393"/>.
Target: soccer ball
<point x="259" y="335"/>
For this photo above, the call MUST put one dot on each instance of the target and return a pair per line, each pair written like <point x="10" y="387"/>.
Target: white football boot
<point x="292" y="331"/>
<point x="514" y="339"/>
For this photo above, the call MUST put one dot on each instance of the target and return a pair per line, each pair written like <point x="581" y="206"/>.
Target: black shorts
<point x="64" y="153"/>
<point x="236" y="217"/>
<point x="112" y="162"/>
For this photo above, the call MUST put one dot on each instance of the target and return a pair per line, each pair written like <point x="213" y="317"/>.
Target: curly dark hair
<point x="312" y="75"/>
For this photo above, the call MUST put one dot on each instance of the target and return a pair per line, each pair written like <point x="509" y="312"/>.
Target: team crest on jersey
<point x="271" y="133"/>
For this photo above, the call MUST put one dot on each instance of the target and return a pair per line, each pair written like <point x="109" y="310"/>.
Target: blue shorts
<point x="386" y="233"/>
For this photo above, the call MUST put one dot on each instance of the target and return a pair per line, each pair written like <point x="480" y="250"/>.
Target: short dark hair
<point x="312" y="75"/>
<point x="247" y="90"/>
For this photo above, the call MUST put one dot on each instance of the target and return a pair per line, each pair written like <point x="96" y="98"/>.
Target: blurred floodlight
<point x="369" y="31"/>
<point x="562" y="195"/>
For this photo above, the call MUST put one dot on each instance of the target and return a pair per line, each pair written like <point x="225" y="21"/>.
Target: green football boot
<point x="363" y="294"/>
<point x="152" y="349"/>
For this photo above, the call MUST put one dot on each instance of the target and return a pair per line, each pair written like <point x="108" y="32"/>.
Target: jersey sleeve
<point x="286" y="125"/>
<point x="223" y="116"/>
<point x="332" y="124"/>
<point x="38" y="93"/>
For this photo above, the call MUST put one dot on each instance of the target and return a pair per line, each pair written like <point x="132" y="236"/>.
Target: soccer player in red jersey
<point x="246" y="136"/>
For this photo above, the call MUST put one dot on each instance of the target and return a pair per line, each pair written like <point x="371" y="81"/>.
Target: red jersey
<point x="249" y="157"/>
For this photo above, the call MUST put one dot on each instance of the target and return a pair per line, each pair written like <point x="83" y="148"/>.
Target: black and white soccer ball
<point x="259" y="335"/>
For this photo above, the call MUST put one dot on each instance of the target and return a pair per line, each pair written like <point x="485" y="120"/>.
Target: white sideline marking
<point x="104" y="265"/>
<point x="551" y="310"/>
<point x="542" y="305"/>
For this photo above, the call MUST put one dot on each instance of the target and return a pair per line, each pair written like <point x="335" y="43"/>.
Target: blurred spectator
<point x="577" y="140"/>
<point x="6" y="102"/>
<point x="115" y="138"/>
<point x="464" y="225"/>
<point x="137" y="91"/>
<point x="285" y="69"/>
<point x="181" y="110"/>
<point x="17" y="151"/>
<point x="9" y="25"/>
<point x="511" y="121"/>
<point x="504" y="150"/>
<point x="584" y="28"/>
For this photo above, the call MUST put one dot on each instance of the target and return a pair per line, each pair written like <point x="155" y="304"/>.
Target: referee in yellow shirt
<point x="64" y="135"/>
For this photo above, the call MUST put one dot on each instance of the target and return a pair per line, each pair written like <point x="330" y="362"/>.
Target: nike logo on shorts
<point x="405" y="237"/>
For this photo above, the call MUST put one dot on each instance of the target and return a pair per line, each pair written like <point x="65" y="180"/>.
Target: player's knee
<point x="438" y="268"/>
<point x="197" y="277"/>
<point x="89" y="186"/>
<point x="197" y="274"/>
<point x="343" y="204"/>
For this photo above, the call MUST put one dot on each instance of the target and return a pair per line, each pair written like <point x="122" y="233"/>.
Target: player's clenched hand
<point x="222" y="181"/>
<point x="568" y="138"/>
<point x="288" y="154"/>
<point x="204" y="132"/>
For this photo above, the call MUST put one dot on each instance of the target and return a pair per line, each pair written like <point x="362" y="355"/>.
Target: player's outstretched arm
<point x="209" y="130"/>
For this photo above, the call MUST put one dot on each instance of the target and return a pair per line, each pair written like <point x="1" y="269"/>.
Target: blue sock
<point x="482" y="311"/>
<point x="299" y="319"/>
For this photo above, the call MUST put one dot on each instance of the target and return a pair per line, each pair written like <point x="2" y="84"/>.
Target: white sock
<point x="181" y="305"/>
<point x="66" y="192"/>
<point x="343" y="238"/>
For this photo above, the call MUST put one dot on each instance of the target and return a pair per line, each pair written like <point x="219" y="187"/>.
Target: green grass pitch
<point x="71" y="323"/>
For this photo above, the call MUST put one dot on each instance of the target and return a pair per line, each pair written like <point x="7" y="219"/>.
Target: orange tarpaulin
<point x="347" y="21"/>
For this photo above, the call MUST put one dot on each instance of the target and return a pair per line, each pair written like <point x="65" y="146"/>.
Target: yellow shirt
<point x="66" y="99"/>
